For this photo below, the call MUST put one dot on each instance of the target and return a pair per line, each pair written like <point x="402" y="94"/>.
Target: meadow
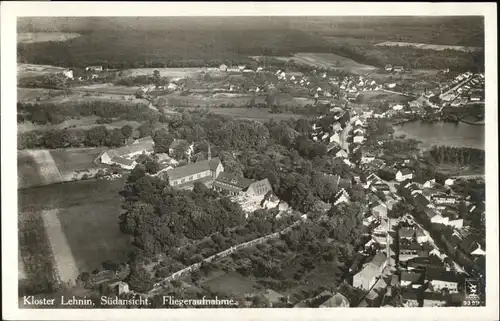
<point x="258" y="114"/>
<point x="32" y="37"/>
<point x="81" y="222"/>
<point x="427" y="46"/>
<point x="44" y="167"/>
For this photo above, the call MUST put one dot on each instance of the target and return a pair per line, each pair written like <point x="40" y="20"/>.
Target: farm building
<point x="223" y="67"/>
<point x="94" y="68"/>
<point x="124" y="156"/>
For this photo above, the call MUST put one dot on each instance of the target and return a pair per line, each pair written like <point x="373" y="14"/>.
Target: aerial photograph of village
<point x="251" y="162"/>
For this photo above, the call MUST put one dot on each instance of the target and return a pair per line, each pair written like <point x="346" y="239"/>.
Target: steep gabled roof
<point x="193" y="168"/>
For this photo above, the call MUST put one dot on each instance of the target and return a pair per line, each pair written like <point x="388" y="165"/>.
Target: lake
<point x="441" y="133"/>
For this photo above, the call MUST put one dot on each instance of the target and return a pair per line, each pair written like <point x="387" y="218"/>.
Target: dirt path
<point x="65" y="263"/>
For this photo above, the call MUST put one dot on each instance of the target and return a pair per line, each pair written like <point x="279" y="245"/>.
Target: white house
<point x="367" y="277"/>
<point x="335" y="138"/>
<point x="358" y="139"/>
<point x="439" y="285"/>
<point x="429" y="183"/>
<point x="124" y="156"/>
<point x="391" y="85"/>
<point x="341" y="197"/>
<point x="341" y="153"/>
<point x="397" y="107"/>
<point x="68" y="74"/>
<point x="223" y="67"/>
<point x="478" y="251"/>
<point x="458" y="224"/>
<point x="359" y="131"/>
<point x="448" y="182"/>
<point x="380" y="211"/>
<point x="404" y="174"/>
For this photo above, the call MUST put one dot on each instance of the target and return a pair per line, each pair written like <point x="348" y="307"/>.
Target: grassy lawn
<point x="88" y="214"/>
<point x="258" y="114"/>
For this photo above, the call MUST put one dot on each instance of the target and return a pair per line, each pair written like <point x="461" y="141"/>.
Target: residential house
<point x="429" y="184"/>
<point x="412" y="249"/>
<point x="388" y="68"/>
<point x="94" y="68"/>
<point x="404" y="174"/>
<point x="469" y="244"/>
<point x="204" y="171"/>
<point x="367" y="159"/>
<point x="458" y="224"/>
<point x="342" y="153"/>
<point x="336" y="127"/>
<point x="234" y="185"/>
<point x="341" y="197"/>
<point x="407" y="233"/>
<point x="434" y="217"/>
<point x="420" y="236"/>
<point x="358" y="139"/>
<point x="379" y="211"/>
<point x="478" y="251"/>
<point x="335" y="138"/>
<point x="442" y="279"/>
<point x="410" y="278"/>
<point x="440" y="199"/>
<point x="359" y="131"/>
<point x="397" y="107"/>
<point x="68" y="74"/>
<point x="367" y="277"/>
<point x="448" y="182"/>
<point x="223" y="67"/>
<point x="125" y="156"/>
<point x="398" y="69"/>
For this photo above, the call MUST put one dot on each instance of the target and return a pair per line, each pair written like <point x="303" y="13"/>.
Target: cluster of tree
<point x="51" y="113"/>
<point x="142" y="80"/>
<point x="66" y="138"/>
<point x="458" y="155"/>
<point x="49" y="81"/>
<point x="410" y="57"/>
<point x="159" y="216"/>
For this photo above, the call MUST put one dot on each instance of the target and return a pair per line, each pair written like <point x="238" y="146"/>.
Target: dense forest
<point x="73" y="138"/>
<point x="164" y="43"/>
<point x="51" y="113"/>
<point x="458" y="155"/>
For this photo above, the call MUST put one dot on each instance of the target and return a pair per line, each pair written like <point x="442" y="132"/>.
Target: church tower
<point x="209" y="153"/>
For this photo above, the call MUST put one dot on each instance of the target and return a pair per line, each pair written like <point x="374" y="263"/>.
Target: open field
<point x="36" y="263"/>
<point x="36" y="167"/>
<point x="44" y="167"/>
<point x="31" y="70"/>
<point x="81" y="220"/>
<point x="65" y="263"/>
<point x="69" y="161"/>
<point x="107" y="88"/>
<point x="258" y="114"/>
<point x="371" y="97"/>
<point x="81" y="123"/>
<point x="426" y="46"/>
<point x="329" y="60"/>
<point x="32" y="37"/>
<point x="164" y="72"/>
<point x="231" y="283"/>
<point x="233" y="99"/>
